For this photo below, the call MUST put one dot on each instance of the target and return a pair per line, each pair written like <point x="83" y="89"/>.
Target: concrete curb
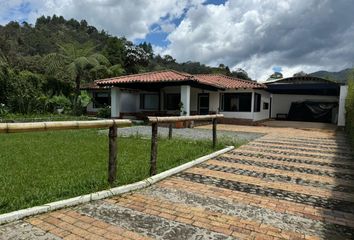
<point x="16" y="215"/>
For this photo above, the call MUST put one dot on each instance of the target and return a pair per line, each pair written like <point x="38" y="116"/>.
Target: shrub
<point x="104" y="112"/>
<point x="80" y="103"/>
<point x="59" y="102"/>
<point x="349" y="105"/>
<point x="25" y="93"/>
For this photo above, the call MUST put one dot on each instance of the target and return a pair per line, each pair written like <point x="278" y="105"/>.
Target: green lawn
<point x="42" y="167"/>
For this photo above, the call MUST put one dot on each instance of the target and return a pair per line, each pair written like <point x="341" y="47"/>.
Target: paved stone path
<point x="288" y="184"/>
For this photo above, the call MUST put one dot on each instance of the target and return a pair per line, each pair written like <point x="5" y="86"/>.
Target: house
<point x="307" y="98"/>
<point x="170" y="92"/>
<point x="174" y="93"/>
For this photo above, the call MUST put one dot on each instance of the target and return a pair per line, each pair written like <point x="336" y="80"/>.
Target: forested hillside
<point x="341" y="76"/>
<point x="43" y="65"/>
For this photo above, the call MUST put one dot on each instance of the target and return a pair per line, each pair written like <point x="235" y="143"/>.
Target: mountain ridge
<point x="340" y="76"/>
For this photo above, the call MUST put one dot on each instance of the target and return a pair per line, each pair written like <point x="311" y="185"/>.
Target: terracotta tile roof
<point x="222" y="81"/>
<point x="157" y="76"/>
<point x="215" y="80"/>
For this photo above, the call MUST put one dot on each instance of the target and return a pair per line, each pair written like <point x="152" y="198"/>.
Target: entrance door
<point x="203" y="103"/>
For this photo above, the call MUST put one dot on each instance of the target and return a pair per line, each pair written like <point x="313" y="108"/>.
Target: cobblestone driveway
<point x="288" y="184"/>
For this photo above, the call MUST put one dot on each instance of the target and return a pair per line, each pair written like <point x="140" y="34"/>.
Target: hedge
<point x="349" y="105"/>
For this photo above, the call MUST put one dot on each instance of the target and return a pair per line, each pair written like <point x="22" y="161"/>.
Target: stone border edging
<point x="16" y="215"/>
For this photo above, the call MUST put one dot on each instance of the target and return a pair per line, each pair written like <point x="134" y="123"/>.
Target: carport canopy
<point x="306" y="85"/>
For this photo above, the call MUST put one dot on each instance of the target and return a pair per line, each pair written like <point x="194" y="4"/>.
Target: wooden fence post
<point x="214" y="132"/>
<point x="170" y="131"/>
<point x="153" y="156"/>
<point x="112" y="162"/>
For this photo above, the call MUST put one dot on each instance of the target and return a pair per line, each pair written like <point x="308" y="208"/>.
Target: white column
<point x="252" y="105"/>
<point x="341" y="111"/>
<point x="186" y="99"/>
<point x="115" y="102"/>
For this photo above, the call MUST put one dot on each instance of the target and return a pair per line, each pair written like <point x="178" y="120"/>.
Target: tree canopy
<point x="53" y="57"/>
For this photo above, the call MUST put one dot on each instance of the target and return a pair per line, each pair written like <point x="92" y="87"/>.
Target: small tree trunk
<point x="153" y="156"/>
<point x="112" y="161"/>
<point x="76" y="105"/>
<point x="77" y="86"/>
<point x="214" y="132"/>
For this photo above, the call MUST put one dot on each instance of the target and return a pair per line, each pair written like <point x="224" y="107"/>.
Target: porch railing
<point x="154" y="131"/>
<point x="67" y="125"/>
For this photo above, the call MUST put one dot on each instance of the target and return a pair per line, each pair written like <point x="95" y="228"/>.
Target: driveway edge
<point x="16" y="215"/>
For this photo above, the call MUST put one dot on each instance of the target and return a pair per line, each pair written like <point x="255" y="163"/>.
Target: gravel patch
<point x="187" y="133"/>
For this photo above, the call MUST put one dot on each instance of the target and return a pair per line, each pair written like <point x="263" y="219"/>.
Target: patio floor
<point x="300" y="125"/>
<point x="288" y="184"/>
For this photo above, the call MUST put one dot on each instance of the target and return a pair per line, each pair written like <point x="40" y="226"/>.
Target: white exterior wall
<point x="281" y="102"/>
<point x="130" y="102"/>
<point x="115" y="102"/>
<point x="341" y="111"/>
<point x="264" y="113"/>
<point x="186" y="99"/>
<point x="240" y="115"/>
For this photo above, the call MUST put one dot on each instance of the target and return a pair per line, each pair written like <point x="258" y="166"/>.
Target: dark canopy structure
<point x="308" y="109"/>
<point x="304" y="85"/>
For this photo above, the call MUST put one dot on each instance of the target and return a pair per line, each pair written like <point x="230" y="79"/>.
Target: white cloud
<point x="129" y="18"/>
<point x="257" y="35"/>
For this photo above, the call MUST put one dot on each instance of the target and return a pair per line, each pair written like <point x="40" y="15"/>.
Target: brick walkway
<point x="289" y="184"/>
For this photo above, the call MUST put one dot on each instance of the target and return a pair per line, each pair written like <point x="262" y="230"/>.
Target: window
<point x="265" y="106"/>
<point x="236" y="102"/>
<point x="257" y="102"/>
<point x="149" y="101"/>
<point x="101" y="99"/>
<point x="172" y="101"/>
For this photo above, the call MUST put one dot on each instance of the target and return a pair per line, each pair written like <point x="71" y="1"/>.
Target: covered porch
<point x="238" y="105"/>
<point x="171" y="93"/>
<point x="184" y="100"/>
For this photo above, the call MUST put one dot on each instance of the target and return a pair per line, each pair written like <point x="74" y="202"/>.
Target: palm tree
<point x="75" y="61"/>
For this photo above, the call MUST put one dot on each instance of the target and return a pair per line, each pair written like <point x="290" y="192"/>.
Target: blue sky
<point x="158" y="37"/>
<point x="258" y="36"/>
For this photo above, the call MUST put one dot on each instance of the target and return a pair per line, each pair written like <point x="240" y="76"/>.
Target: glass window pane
<point x="149" y="101"/>
<point x="237" y="102"/>
<point x="172" y="101"/>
